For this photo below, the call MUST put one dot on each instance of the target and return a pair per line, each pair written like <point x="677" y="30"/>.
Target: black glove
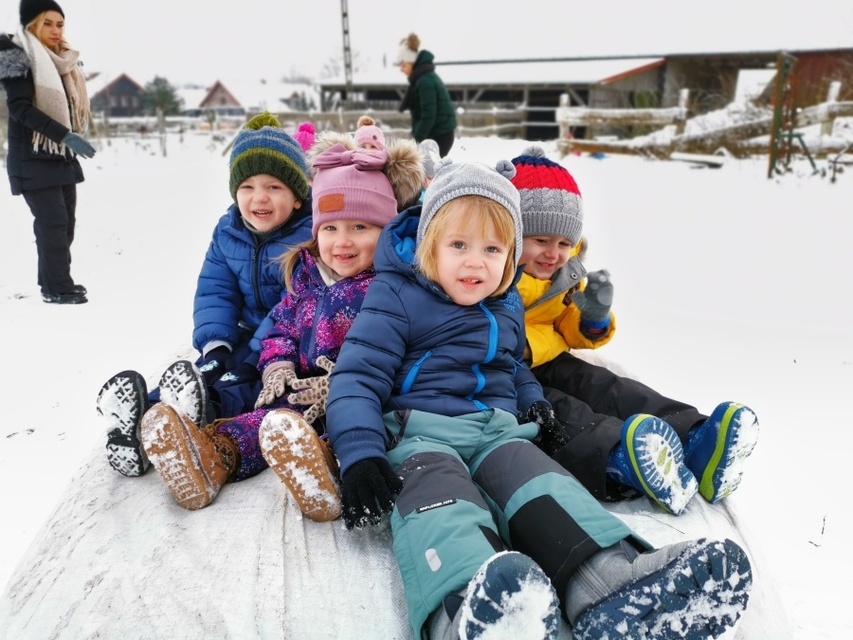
<point x="79" y="145"/>
<point x="596" y="299"/>
<point x="552" y="434"/>
<point x="215" y="364"/>
<point x="243" y="373"/>
<point x="367" y="491"/>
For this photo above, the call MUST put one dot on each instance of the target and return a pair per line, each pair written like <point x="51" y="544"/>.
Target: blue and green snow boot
<point x="650" y="459"/>
<point x="717" y="448"/>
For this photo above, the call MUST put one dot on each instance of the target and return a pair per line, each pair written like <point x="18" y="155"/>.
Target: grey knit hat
<point x="551" y="202"/>
<point x="429" y="149"/>
<point x="472" y="179"/>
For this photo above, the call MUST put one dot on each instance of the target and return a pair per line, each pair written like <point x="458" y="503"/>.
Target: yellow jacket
<point x="553" y="325"/>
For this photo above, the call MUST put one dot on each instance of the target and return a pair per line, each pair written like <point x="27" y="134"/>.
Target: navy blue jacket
<point x="412" y="347"/>
<point x="241" y="280"/>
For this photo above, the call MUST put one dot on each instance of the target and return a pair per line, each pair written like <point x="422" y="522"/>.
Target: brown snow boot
<point x="303" y="462"/>
<point x="193" y="463"/>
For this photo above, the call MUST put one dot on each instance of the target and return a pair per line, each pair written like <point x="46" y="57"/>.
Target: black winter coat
<point x="31" y="169"/>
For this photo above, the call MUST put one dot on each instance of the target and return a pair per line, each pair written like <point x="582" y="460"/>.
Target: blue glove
<point x="552" y="434"/>
<point x="596" y="299"/>
<point x="367" y="491"/>
<point x="79" y="145"/>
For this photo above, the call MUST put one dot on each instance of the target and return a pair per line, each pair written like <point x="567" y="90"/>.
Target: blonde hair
<point x="37" y="23"/>
<point x="472" y="212"/>
<point x="287" y="260"/>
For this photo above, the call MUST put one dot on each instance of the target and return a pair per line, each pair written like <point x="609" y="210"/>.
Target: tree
<point x="159" y="94"/>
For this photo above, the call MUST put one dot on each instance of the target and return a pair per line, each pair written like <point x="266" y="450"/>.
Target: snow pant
<point x="475" y="485"/>
<point x="592" y="403"/>
<point x="445" y="142"/>
<point x="54" y="219"/>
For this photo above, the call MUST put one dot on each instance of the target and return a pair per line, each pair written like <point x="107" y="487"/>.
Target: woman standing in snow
<point x="48" y="110"/>
<point x="433" y="116"/>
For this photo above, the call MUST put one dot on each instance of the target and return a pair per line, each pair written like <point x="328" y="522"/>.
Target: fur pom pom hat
<point x="409" y="48"/>
<point x="551" y="202"/>
<point x="262" y="146"/>
<point x="305" y="135"/>
<point x="453" y="180"/>
<point x="368" y="133"/>
<point x="351" y="185"/>
<point x="30" y="9"/>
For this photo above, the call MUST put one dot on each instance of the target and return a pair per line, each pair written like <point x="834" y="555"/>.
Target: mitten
<point x="313" y="391"/>
<point x="79" y="145"/>
<point x="366" y="492"/>
<point x="552" y="434"/>
<point x="215" y="363"/>
<point x="243" y="373"/>
<point x="595" y="300"/>
<point x="276" y="378"/>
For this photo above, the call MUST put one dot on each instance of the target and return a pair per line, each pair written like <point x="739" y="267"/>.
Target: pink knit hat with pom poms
<point x="368" y="133"/>
<point x="305" y="135"/>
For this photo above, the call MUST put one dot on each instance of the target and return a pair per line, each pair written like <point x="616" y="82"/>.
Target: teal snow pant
<point x="475" y="485"/>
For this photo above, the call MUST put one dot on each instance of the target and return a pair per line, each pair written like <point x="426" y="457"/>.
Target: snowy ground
<point x="728" y="286"/>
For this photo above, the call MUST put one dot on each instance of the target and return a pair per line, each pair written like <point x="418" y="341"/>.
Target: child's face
<point x="470" y="265"/>
<point x="266" y="202"/>
<point x="347" y="246"/>
<point x="544" y="255"/>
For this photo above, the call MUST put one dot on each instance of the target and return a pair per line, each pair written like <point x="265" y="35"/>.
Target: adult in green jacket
<point x="433" y="114"/>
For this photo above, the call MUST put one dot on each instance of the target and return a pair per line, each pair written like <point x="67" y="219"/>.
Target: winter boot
<point x="717" y="449"/>
<point x="650" y="459"/>
<point x="303" y="462"/>
<point x="182" y="386"/>
<point x="122" y="401"/>
<point x="510" y="597"/>
<point x="193" y="463"/>
<point x="695" y="590"/>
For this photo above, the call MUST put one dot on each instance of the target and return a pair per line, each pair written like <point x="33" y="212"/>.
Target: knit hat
<point x="30" y="9"/>
<point x="409" y="47"/>
<point x="305" y="135"/>
<point x="351" y="185"/>
<point x="468" y="179"/>
<point x="369" y="133"/>
<point x="429" y="149"/>
<point x="550" y="199"/>
<point x="262" y="146"/>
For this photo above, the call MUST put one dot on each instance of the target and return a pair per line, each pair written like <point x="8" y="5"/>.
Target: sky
<point x="195" y="41"/>
<point x="728" y="286"/>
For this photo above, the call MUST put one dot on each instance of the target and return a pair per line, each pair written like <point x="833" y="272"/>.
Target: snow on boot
<point x="717" y="448"/>
<point x="303" y="462"/>
<point x="182" y="386"/>
<point x="122" y="401"/>
<point x="694" y="590"/>
<point x="193" y="463"/>
<point x="510" y="597"/>
<point x="650" y="459"/>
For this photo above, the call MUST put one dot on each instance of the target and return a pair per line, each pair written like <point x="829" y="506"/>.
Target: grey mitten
<point x="79" y="145"/>
<point x="313" y="391"/>
<point x="275" y="380"/>
<point x="595" y="300"/>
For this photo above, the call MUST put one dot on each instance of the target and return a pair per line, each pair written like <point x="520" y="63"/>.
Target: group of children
<point x="388" y="350"/>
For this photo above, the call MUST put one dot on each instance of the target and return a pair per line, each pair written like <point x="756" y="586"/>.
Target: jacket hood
<point x="395" y="250"/>
<point x="14" y="62"/>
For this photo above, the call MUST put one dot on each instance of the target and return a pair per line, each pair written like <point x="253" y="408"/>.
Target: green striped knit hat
<point x="262" y="146"/>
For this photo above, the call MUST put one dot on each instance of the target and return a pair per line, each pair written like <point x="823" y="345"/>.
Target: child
<point x="326" y="279"/>
<point x="368" y="135"/>
<point x="619" y="432"/>
<point x="238" y="285"/>
<point x="423" y="401"/>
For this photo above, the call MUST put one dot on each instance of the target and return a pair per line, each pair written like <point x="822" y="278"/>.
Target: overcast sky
<point x="199" y="40"/>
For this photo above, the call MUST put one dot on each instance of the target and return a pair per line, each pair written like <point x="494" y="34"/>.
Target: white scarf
<point x="60" y="88"/>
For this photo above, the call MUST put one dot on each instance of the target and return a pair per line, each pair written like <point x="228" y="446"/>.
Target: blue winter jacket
<point x="412" y="347"/>
<point x="241" y="280"/>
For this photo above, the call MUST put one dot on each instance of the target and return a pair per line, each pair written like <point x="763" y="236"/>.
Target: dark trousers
<point x="593" y="403"/>
<point x="445" y="143"/>
<point x="54" y="219"/>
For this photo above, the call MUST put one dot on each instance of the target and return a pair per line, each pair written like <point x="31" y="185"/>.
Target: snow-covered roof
<point x="261" y="94"/>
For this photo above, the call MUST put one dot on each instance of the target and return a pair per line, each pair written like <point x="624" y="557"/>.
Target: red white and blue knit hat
<point x="262" y="146"/>
<point x="551" y="202"/>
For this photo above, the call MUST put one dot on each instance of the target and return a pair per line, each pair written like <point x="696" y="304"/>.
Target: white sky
<point x="198" y="41"/>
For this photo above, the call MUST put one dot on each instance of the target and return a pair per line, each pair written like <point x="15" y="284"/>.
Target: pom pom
<point x="534" y="150"/>
<point x="307" y="127"/>
<point x="506" y="169"/>
<point x="265" y="119"/>
<point x="365" y="121"/>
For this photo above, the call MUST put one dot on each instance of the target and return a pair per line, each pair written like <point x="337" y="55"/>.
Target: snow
<point x="728" y="286"/>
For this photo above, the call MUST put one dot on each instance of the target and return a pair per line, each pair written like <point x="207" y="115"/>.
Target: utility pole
<point x="347" y="50"/>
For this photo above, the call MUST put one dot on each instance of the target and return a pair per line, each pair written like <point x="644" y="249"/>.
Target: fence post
<point x="831" y="96"/>
<point x="681" y="119"/>
<point x="563" y="124"/>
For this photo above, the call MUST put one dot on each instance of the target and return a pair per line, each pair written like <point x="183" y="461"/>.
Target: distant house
<point x="245" y="98"/>
<point x="116" y="96"/>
